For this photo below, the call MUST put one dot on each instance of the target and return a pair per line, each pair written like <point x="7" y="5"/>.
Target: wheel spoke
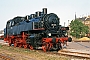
<point x="20" y="45"/>
<point x="31" y="47"/>
<point x="9" y="44"/>
<point x="50" y="46"/>
<point x="25" y="46"/>
<point x="59" y="46"/>
<point x="15" y="44"/>
<point x="44" y="48"/>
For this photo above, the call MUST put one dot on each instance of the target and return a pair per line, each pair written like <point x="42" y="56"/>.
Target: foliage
<point x="78" y="29"/>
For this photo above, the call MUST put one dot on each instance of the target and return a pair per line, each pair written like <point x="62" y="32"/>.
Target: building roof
<point x="82" y="19"/>
<point x="88" y="19"/>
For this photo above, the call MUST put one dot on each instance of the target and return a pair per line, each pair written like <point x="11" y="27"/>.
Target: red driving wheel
<point x="20" y="45"/>
<point x="45" y="47"/>
<point x="25" y="46"/>
<point x="15" y="44"/>
<point x="31" y="47"/>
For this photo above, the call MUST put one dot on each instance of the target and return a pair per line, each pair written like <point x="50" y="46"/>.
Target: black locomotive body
<point x="36" y="30"/>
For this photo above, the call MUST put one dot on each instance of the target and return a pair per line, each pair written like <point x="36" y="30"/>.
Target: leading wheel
<point x="59" y="46"/>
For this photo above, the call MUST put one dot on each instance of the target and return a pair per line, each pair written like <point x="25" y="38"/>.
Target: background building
<point x="85" y="21"/>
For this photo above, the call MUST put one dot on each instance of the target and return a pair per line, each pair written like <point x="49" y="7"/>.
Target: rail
<point x="75" y="54"/>
<point x="81" y="40"/>
<point x="4" y="57"/>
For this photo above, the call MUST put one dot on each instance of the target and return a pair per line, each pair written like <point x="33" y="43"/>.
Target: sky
<point x="65" y="9"/>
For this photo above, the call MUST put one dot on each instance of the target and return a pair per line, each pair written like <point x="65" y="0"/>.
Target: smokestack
<point x="64" y="23"/>
<point x="44" y="10"/>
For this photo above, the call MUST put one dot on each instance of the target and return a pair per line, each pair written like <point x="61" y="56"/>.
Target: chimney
<point x="44" y="11"/>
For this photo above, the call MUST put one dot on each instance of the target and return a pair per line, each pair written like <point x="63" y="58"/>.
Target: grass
<point x="31" y="53"/>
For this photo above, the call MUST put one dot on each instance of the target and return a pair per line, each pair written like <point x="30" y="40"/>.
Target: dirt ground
<point x="26" y="54"/>
<point x="15" y="54"/>
<point x="79" y="45"/>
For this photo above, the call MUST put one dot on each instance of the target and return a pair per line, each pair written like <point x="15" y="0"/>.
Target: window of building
<point x="86" y="22"/>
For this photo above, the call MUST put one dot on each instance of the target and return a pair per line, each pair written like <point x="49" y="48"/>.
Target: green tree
<point x="78" y="29"/>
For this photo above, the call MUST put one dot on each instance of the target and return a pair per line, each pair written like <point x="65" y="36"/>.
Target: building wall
<point x="86" y="22"/>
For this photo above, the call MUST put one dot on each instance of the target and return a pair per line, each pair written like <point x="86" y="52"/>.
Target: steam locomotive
<point x="39" y="30"/>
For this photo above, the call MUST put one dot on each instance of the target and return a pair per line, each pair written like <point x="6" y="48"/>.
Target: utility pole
<point x="75" y="16"/>
<point x="68" y="22"/>
<point x="64" y="23"/>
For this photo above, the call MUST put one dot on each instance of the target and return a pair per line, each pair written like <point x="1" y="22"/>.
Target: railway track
<point x="65" y="52"/>
<point x="73" y="53"/>
<point x="5" y="57"/>
<point x="81" y="41"/>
